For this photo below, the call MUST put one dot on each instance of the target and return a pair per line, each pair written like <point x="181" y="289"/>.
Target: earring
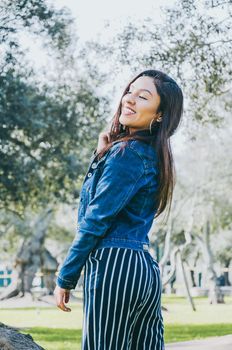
<point x="150" y="126"/>
<point x="159" y="119"/>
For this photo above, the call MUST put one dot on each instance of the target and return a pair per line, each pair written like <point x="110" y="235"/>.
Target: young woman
<point x="129" y="182"/>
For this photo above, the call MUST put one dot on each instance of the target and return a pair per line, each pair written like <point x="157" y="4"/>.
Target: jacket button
<point x="89" y="174"/>
<point x="94" y="165"/>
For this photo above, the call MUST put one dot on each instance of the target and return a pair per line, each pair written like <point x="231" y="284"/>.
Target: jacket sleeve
<point x="121" y="178"/>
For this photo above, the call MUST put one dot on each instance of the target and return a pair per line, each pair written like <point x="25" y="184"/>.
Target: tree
<point x="49" y="123"/>
<point x="10" y="336"/>
<point x="32" y="255"/>
<point x="46" y="127"/>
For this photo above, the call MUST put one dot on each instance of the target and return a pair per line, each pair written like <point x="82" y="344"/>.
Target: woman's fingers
<point x="108" y="134"/>
<point x="103" y="140"/>
<point x="62" y="297"/>
<point x="67" y="294"/>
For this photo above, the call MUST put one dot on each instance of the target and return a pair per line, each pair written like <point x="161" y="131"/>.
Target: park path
<point x="213" y="343"/>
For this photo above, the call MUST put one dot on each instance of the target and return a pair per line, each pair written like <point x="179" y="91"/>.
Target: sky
<point x="92" y="15"/>
<point x="91" y="18"/>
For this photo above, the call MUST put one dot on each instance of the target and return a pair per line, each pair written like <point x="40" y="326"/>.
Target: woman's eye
<point x="129" y="92"/>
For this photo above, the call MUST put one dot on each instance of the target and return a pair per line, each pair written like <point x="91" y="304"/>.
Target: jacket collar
<point x="143" y="132"/>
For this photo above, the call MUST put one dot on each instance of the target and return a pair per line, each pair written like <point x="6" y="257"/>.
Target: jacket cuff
<point x="65" y="284"/>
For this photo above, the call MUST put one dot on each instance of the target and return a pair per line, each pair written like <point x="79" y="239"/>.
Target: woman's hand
<point x="61" y="297"/>
<point x="103" y="140"/>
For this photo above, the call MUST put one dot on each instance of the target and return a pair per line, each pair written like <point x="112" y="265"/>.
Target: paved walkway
<point x="213" y="343"/>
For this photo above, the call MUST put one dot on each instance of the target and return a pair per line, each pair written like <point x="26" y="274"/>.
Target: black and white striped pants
<point x="122" y="301"/>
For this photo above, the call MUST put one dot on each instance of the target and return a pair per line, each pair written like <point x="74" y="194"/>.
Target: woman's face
<point x="140" y="104"/>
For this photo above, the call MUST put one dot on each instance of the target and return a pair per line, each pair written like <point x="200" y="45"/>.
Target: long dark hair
<point x="171" y="107"/>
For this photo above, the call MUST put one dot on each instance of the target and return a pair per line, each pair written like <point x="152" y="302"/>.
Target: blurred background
<point x="63" y="68"/>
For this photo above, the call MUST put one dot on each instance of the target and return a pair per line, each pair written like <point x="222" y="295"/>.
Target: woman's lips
<point x="127" y="111"/>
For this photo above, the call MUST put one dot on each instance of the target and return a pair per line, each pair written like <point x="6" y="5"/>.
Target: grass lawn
<point x="56" y="330"/>
<point x="70" y="339"/>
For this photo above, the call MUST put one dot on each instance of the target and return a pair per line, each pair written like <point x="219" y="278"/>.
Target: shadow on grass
<point x="177" y="333"/>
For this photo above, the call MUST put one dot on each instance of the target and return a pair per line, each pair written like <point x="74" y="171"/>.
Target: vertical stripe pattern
<point x="122" y="301"/>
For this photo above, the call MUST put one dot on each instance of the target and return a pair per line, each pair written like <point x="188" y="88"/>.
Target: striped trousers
<point x="122" y="301"/>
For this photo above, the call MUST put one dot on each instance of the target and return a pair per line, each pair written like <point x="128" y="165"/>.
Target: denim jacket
<point x="116" y="207"/>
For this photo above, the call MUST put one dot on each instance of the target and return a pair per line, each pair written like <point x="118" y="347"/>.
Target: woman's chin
<point x="125" y="120"/>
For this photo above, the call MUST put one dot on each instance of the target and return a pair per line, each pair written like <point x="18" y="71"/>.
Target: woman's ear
<point x="158" y="115"/>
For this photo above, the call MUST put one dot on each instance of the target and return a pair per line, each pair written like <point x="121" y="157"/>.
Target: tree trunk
<point x="11" y="339"/>
<point x="192" y="274"/>
<point x="226" y="273"/>
<point x="30" y="258"/>
<point x="49" y="267"/>
<point x="190" y="299"/>
<point x="215" y="294"/>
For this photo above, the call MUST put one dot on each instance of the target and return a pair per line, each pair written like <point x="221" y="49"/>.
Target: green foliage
<point x="42" y="142"/>
<point x="47" y="128"/>
<point x="60" y="234"/>
<point x="36" y="16"/>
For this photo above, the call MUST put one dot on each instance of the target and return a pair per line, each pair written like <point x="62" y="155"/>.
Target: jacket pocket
<point x="154" y="261"/>
<point x="96" y="255"/>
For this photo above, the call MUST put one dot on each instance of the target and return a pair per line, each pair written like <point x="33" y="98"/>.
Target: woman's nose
<point x="130" y="98"/>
